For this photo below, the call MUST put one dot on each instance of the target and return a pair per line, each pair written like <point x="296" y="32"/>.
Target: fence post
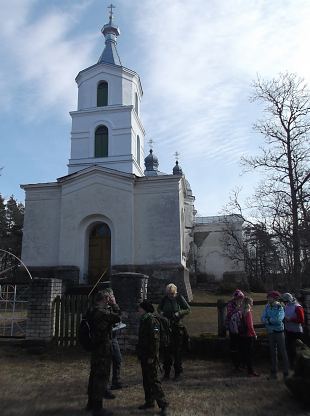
<point x="221" y="329"/>
<point x="40" y="321"/>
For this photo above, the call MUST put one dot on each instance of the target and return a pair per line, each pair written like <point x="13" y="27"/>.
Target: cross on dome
<point x="111" y="7"/>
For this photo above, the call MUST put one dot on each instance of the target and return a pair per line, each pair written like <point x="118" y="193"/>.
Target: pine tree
<point x="15" y="219"/>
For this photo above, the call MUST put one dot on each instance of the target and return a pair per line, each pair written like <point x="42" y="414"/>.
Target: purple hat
<point x="274" y="294"/>
<point x="238" y="294"/>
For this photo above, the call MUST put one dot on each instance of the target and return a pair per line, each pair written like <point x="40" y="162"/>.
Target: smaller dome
<point x="177" y="170"/>
<point x="151" y="164"/>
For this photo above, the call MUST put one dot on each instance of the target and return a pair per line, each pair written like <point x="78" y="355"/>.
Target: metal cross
<point x="111" y="7"/>
<point x="151" y="142"/>
<point x="177" y="154"/>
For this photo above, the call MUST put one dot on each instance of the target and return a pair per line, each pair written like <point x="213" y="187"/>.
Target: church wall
<point x="92" y="199"/>
<point x="41" y="225"/>
<point x="209" y="256"/>
<point x="157" y="221"/>
<point x="122" y="85"/>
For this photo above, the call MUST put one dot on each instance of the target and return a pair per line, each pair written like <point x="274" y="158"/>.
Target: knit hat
<point x="147" y="306"/>
<point x="287" y="297"/>
<point x="238" y="294"/>
<point x="274" y="294"/>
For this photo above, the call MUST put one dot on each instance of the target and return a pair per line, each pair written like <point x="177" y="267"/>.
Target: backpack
<point x="235" y="323"/>
<point x="164" y="331"/>
<point x="85" y="334"/>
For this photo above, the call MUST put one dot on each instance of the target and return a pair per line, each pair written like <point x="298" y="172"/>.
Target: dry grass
<point x="55" y="384"/>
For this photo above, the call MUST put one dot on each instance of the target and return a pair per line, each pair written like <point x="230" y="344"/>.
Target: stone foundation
<point x="159" y="277"/>
<point x="68" y="274"/>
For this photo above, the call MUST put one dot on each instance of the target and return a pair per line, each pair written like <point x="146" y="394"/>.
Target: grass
<point x="54" y="383"/>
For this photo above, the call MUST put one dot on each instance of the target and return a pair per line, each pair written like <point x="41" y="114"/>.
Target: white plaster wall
<point x="122" y="85"/>
<point x="123" y="126"/>
<point x="209" y="255"/>
<point x="93" y="198"/>
<point x="41" y="225"/>
<point x="157" y="220"/>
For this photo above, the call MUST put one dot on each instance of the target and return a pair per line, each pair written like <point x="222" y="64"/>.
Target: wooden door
<point x="99" y="252"/>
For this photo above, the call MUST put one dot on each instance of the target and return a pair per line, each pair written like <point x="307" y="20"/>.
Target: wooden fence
<point x="69" y="309"/>
<point x="221" y="313"/>
<point x="67" y="312"/>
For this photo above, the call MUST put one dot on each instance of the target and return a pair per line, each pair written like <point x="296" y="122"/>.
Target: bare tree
<point x="286" y="156"/>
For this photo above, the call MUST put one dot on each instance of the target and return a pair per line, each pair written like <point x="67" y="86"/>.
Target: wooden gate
<point x="67" y="312"/>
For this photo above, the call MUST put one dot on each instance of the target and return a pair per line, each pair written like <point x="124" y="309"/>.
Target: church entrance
<point x="99" y="259"/>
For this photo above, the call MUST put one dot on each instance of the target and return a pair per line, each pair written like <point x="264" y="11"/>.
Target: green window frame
<point x="101" y="141"/>
<point x="102" y="94"/>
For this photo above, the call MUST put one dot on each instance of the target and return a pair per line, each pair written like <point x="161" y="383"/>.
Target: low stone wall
<point x="40" y="311"/>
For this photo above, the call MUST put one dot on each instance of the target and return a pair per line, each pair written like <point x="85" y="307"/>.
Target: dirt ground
<point x="46" y="383"/>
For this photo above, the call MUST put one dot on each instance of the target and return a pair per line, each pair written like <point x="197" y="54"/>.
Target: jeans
<point x="277" y="343"/>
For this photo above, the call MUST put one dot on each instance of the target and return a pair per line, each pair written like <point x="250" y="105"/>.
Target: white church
<point x="114" y="210"/>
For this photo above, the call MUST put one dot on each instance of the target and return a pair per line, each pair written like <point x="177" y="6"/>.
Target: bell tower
<point x="106" y="127"/>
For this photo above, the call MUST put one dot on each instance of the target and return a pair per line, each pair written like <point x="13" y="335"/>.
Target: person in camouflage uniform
<point x="174" y="307"/>
<point x="148" y="354"/>
<point x="104" y="314"/>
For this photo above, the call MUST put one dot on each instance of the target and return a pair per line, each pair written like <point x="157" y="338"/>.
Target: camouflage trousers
<point x="151" y="383"/>
<point x="100" y="367"/>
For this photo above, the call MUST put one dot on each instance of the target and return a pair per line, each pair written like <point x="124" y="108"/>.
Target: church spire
<point x="110" y="31"/>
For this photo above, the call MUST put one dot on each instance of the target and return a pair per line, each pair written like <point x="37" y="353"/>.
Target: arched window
<point x="138" y="150"/>
<point x="101" y="141"/>
<point x="102" y="94"/>
<point x="136" y="103"/>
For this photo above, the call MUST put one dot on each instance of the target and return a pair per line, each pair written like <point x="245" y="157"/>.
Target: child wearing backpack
<point x="232" y="324"/>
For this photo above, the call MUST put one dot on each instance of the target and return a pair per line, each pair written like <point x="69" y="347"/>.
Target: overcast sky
<point x="196" y="61"/>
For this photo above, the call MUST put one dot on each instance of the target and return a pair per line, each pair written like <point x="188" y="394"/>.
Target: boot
<point x="164" y="411"/>
<point x="98" y="410"/>
<point x="146" y="405"/>
<point x="89" y="405"/>
<point x="108" y="395"/>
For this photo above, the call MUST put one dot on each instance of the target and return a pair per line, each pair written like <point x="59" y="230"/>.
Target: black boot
<point x="89" y="405"/>
<point x="108" y="395"/>
<point x="99" y="411"/>
<point x="147" y="405"/>
<point x="164" y="411"/>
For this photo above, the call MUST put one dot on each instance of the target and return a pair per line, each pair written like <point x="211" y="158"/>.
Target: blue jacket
<point x="273" y="317"/>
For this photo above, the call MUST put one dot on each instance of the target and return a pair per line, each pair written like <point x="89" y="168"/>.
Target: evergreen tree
<point x="15" y="219"/>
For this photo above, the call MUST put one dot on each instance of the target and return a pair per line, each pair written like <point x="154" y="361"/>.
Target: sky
<point x="196" y="60"/>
